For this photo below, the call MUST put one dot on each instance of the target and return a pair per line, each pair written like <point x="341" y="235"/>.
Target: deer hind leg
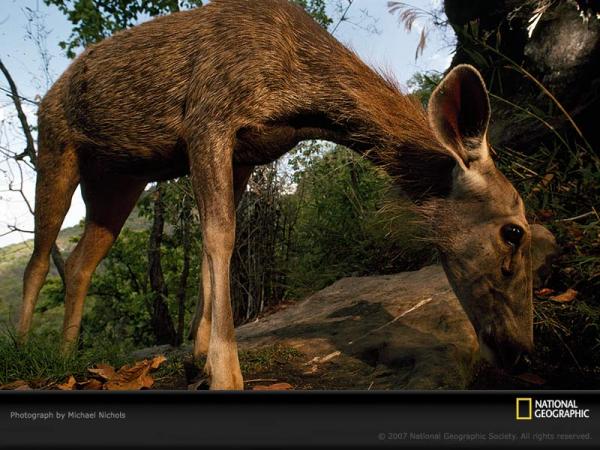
<point x="108" y="200"/>
<point x="57" y="178"/>
<point x="201" y="324"/>
<point x="211" y="171"/>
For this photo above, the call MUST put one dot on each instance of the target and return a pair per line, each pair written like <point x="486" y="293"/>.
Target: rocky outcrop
<point x="409" y="328"/>
<point x="562" y="53"/>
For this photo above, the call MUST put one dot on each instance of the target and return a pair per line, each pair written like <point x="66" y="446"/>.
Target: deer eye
<point x="512" y="234"/>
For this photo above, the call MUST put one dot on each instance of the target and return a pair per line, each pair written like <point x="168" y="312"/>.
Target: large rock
<point x="563" y="54"/>
<point x="408" y="329"/>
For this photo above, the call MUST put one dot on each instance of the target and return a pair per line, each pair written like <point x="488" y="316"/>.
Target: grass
<point x="180" y="370"/>
<point x="266" y="358"/>
<point x="40" y="362"/>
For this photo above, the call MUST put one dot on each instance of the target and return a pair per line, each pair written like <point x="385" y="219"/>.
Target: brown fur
<point x="263" y="70"/>
<point x="211" y="92"/>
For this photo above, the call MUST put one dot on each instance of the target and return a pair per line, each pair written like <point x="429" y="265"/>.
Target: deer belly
<point x="263" y="145"/>
<point x="148" y="163"/>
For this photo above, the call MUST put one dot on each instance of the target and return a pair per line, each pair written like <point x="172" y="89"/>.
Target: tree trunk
<point x="162" y="325"/>
<point x="183" y="279"/>
<point x="59" y="262"/>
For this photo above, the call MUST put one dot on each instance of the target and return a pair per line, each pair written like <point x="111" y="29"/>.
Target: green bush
<point x="341" y="230"/>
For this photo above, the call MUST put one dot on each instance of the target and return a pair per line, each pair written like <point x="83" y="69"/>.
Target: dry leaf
<point x="24" y="387"/>
<point x="544" y="183"/>
<point x="103" y="371"/>
<point x="91" y="385"/>
<point x="315" y="360"/>
<point x="128" y="377"/>
<point x="567" y="296"/>
<point x="531" y="378"/>
<point x="575" y="232"/>
<point x="274" y="387"/>
<point x="134" y="377"/>
<point x="329" y="357"/>
<point x="68" y="385"/>
<point x="545" y="214"/>
<point x="323" y="359"/>
<point x="15" y="385"/>
<point x="313" y="369"/>
<point x="131" y="378"/>
<point x="544" y="292"/>
<point x="157" y="361"/>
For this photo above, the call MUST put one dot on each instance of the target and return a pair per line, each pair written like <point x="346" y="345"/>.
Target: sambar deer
<point x="215" y="91"/>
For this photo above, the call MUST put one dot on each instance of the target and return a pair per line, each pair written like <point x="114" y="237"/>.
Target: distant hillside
<point x="14" y="258"/>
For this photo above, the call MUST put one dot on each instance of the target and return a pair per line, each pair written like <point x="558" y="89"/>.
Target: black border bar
<point x="292" y="419"/>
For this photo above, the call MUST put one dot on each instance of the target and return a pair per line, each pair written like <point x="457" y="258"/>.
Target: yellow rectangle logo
<point x="524" y="408"/>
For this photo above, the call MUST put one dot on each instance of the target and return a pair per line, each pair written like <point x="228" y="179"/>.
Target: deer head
<point x="480" y="228"/>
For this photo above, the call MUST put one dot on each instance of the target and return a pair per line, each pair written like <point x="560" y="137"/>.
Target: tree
<point x="30" y="153"/>
<point x="422" y="84"/>
<point x="94" y="20"/>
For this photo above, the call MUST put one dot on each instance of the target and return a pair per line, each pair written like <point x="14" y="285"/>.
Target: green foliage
<point x="123" y="301"/>
<point x="122" y="306"/>
<point x="340" y="230"/>
<point x="317" y="9"/>
<point x="52" y="295"/>
<point x="94" y="20"/>
<point x="422" y="84"/>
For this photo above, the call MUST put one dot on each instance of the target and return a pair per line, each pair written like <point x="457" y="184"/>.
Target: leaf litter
<point x="130" y="377"/>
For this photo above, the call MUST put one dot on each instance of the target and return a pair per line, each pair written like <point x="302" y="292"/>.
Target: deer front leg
<point x="212" y="178"/>
<point x="201" y="324"/>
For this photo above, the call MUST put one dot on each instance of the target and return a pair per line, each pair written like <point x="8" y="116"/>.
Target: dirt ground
<point x="278" y="364"/>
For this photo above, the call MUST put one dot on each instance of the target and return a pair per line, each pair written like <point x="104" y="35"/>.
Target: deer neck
<point x="370" y="115"/>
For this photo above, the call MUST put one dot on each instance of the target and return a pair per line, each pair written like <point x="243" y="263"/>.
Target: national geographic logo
<point x="528" y="408"/>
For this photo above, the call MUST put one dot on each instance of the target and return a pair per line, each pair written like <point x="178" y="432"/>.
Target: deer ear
<point x="459" y="113"/>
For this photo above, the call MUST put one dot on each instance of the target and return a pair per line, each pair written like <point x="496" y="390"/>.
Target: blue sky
<point x="389" y="47"/>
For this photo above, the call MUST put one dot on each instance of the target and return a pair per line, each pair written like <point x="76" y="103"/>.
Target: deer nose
<point x="510" y="356"/>
<point x="523" y="364"/>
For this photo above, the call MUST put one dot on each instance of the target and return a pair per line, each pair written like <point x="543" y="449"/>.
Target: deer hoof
<point x="225" y="381"/>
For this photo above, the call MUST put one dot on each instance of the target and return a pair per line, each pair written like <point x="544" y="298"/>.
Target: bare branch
<point x="20" y="190"/>
<point x="14" y="228"/>
<point x="23" y="99"/>
<point x="58" y="261"/>
<point x="31" y="153"/>
<point x="342" y="17"/>
<point x="6" y="233"/>
<point x="16" y="98"/>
